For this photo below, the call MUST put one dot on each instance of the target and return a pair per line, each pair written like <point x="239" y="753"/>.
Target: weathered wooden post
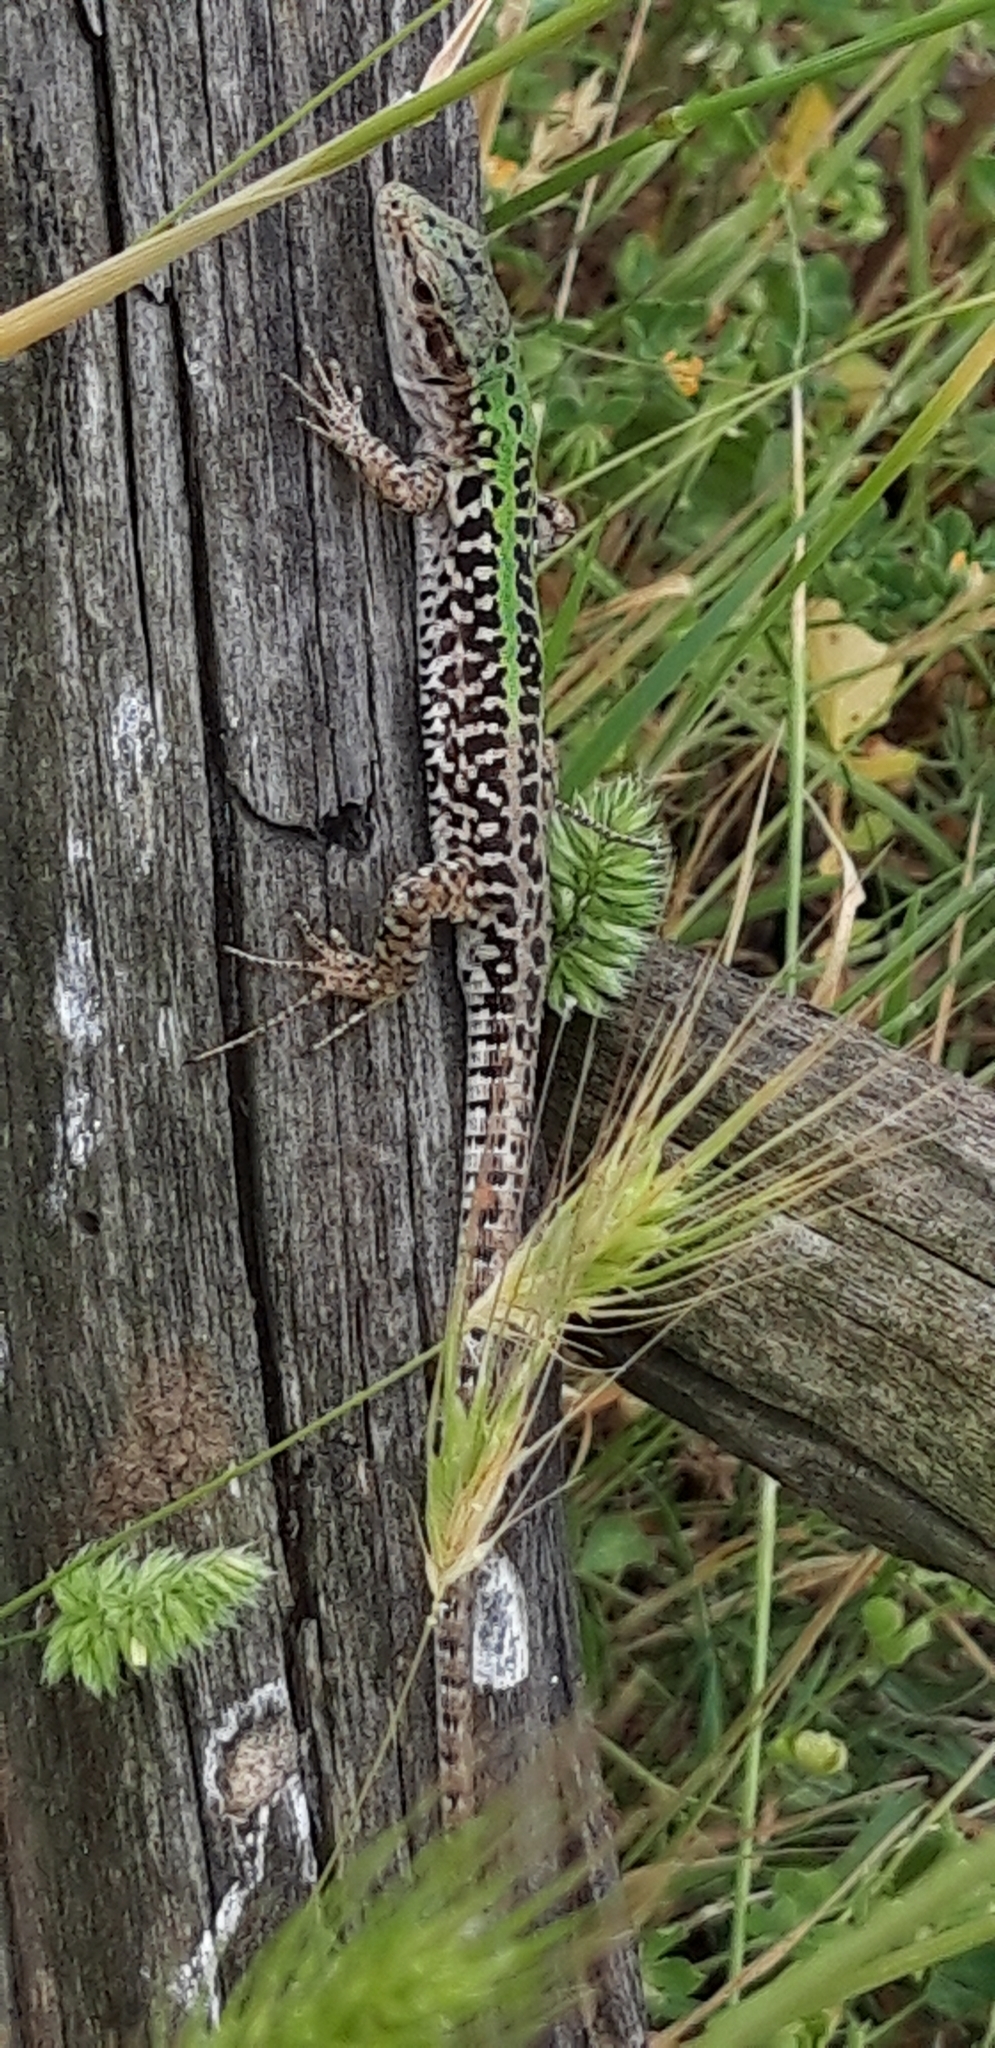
<point x="209" y="719"/>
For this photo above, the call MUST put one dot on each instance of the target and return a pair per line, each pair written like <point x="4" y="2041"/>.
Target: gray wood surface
<point x="850" y="1352"/>
<point x="209" y="719"/>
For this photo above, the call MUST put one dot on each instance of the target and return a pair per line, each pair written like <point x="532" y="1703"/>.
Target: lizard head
<point x="444" y="309"/>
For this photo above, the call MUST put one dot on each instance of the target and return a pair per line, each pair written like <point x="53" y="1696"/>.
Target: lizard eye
<point x="422" y="292"/>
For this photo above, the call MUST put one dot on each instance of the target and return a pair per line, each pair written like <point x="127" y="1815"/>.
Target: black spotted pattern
<point x="484" y="757"/>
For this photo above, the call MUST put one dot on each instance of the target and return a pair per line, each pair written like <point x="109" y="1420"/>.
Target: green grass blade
<point x="558" y="637"/>
<point x="784" y="84"/>
<point x="622" y="721"/>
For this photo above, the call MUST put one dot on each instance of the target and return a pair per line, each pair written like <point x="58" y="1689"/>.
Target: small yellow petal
<point x="684" y="372"/>
<point x="500" y="172"/>
<point x="882" y="762"/>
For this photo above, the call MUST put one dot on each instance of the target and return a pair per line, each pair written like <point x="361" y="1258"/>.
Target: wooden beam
<point x="851" y="1353"/>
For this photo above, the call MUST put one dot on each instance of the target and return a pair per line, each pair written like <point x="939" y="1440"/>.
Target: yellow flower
<point x="500" y="173"/>
<point x="684" y="372"/>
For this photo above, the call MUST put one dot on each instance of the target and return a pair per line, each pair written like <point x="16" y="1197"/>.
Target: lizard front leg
<point x="336" y="415"/>
<point x="554" y="524"/>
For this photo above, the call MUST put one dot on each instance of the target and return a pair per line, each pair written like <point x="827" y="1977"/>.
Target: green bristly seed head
<point x="608" y="893"/>
<point x="115" y="1614"/>
<point x="403" y="1952"/>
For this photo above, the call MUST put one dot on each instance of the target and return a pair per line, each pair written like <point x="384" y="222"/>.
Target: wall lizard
<point x="479" y="524"/>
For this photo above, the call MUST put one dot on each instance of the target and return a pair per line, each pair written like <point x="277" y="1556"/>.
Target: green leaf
<point x="623" y="720"/>
<point x="672" y="1984"/>
<point x="614" y="1543"/>
<point x="979" y="179"/>
<point x="964" y="1988"/>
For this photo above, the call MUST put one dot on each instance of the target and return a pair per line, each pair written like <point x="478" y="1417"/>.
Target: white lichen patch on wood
<point x="251" y="1762"/>
<point x="168" y="1036"/>
<point x="82" y="1025"/>
<point x="196" y="1981"/>
<point x="76" y="997"/>
<point x="137" y="752"/>
<point x="80" y="1127"/>
<point x="500" y="1655"/>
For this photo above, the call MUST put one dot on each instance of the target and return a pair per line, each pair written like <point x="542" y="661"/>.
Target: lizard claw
<point x="334" y="395"/>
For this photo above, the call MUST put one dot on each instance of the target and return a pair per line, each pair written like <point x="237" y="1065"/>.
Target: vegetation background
<point x="730" y="336"/>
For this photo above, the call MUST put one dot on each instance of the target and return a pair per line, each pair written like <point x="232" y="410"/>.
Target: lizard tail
<point x="497" y="1149"/>
<point x="454" y="1697"/>
<point x="503" y="1052"/>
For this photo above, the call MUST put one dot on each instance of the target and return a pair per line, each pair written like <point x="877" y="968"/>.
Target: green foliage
<point x="115" y="1614"/>
<point x="441" y="1956"/>
<point x="612" y="1544"/>
<point x="720" y="270"/>
<point x="892" y="581"/>
<point x="855" y="1745"/>
<point x="672" y="1983"/>
<point x="964" y="1986"/>
<point x="892" y="1639"/>
<point x="812" y="1753"/>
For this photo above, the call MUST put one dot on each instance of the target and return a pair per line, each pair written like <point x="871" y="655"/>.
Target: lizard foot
<point x="335" y="414"/>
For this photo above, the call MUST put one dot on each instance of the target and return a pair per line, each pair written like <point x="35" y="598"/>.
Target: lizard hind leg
<point x="443" y="890"/>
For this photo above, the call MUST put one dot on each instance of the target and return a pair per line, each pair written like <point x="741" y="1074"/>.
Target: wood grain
<point x="850" y="1353"/>
<point x="208" y="721"/>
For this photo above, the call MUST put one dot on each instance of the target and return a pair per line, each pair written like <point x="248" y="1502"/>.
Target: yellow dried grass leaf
<point x="888" y="764"/>
<point x="571" y="123"/>
<point x="806" y="127"/>
<point x="853" y="683"/>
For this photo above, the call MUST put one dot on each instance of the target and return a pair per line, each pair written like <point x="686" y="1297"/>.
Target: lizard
<point x="479" y="525"/>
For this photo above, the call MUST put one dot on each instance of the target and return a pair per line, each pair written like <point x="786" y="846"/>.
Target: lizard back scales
<point x="455" y="363"/>
<point x="471" y="487"/>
